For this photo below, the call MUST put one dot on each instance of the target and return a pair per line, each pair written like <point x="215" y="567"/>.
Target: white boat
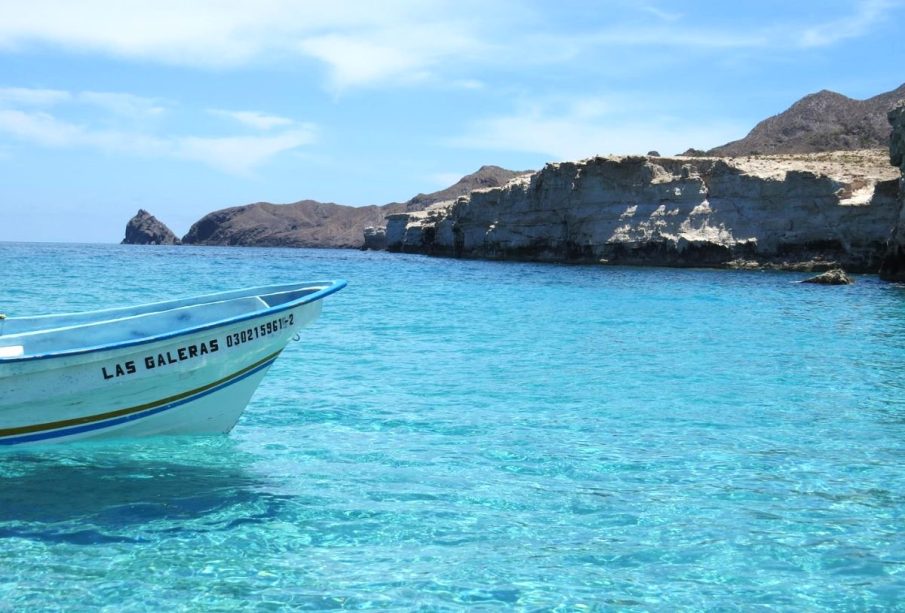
<point x="178" y="367"/>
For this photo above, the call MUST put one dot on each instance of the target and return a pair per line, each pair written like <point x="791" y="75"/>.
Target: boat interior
<point x="54" y="333"/>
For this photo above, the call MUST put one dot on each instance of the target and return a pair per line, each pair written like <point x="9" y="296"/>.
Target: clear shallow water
<point x="455" y="433"/>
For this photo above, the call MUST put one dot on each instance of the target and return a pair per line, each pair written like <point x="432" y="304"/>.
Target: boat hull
<point x="198" y="382"/>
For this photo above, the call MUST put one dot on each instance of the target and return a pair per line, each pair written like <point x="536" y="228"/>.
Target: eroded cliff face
<point x="806" y="212"/>
<point x="893" y="268"/>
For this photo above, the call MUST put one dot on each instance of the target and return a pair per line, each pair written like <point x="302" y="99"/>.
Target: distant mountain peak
<point x="485" y="176"/>
<point x="822" y="121"/>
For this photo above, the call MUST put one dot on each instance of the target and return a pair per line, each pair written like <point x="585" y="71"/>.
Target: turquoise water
<point x="454" y="433"/>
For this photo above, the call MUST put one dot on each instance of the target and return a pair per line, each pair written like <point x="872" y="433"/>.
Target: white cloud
<point x="240" y="154"/>
<point x="780" y="35"/>
<point x="40" y="128"/>
<point x="254" y="119"/>
<point x="406" y="53"/>
<point x="364" y="43"/>
<point x="866" y="15"/>
<point x="584" y="127"/>
<point x="128" y="105"/>
<point x="358" y="40"/>
<point x="473" y="84"/>
<point x="685" y="38"/>
<point x="354" y="61"/>
<point x="679" y="33"/>
<point x="194" y="33"/>
<point x="43" y="129"/>
<point x="22" y="96"/>
<point x="660" y="13"/>
<point x="232" y="154"/>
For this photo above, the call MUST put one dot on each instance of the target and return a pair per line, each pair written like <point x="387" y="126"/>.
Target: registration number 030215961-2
<point x="261" y="330"/>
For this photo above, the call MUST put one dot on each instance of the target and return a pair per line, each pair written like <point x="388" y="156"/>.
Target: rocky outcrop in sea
<point x="836" y="276"/>
<point x="145" y="229"/>
<point x="893" y="268"/>
<point x="805" y="212"/>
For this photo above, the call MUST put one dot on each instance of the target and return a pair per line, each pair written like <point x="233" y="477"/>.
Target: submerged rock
<point x="145" y="229"/>
<point x="835" y="276"/>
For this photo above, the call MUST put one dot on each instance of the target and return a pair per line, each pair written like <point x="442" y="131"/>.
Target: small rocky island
<point x="145" y="229"/>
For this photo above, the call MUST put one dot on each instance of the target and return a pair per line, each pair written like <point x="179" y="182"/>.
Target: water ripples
<point x="455" y="433"/>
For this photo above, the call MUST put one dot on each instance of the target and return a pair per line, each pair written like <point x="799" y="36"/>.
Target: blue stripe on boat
<point x="39" y="436"/>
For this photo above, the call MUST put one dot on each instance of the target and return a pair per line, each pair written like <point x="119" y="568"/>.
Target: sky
<point x="183" y="108"/>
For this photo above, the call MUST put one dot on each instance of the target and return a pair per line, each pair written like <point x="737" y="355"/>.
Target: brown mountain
<point x="486" y="176"/>
<point x="302" y="224"/>
<point x="825" y="121"/>
<point x="315" y="224"/>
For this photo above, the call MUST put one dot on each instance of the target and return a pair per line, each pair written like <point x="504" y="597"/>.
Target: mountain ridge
<point x="310" y="223"/>
<point x="819" y="122"/>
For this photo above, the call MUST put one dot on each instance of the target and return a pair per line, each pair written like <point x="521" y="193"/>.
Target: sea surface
<point x="456" y="434"/>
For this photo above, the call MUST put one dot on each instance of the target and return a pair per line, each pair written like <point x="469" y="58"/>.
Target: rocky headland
<point x="893" y="268"/>
<point x="302" y="224"/>
<point x="808" y="189"/>
<point x="145" y="229"/>
<point x="309" y="223"/>
<point x="804" y="212"/>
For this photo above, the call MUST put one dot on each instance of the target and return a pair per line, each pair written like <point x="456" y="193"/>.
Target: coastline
<point x="772" y="212"/>
<point x="804" y="212"/>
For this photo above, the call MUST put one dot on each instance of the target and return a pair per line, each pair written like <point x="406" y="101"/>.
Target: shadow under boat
<point x="112" y="496"/>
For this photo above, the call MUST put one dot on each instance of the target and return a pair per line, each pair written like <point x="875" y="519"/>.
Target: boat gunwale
<point x="332" y="286"/>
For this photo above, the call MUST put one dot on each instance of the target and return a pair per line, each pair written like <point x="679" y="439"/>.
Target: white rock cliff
<point x="893" y="268"/>
<point x="794" y="211"/>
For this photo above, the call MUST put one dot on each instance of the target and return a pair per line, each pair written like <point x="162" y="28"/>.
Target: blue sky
<point x="182" y="108"/>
